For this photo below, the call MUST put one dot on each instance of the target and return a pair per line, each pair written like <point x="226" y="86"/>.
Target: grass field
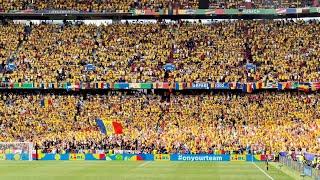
<point x="105" y="170"/>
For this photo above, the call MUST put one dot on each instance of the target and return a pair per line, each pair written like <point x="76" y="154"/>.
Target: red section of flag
<point x="117" y="127"/>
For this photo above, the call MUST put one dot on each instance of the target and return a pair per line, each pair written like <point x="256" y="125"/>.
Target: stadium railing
<point x="300" y="167"/>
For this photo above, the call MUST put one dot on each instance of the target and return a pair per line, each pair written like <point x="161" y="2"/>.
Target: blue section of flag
<point x="101" y="126"/>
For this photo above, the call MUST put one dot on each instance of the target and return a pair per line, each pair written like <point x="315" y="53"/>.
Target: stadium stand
<point x="278" y="51"/>
<point x="11" y="36"/>
<point x="245" y="89"/>
<point x="207" y="123"/>
<point x="127" y="5"/>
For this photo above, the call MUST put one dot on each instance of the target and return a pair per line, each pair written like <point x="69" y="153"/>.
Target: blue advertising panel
<point x="200" y="85"/>
<point x="199" y="157"/>
<point x="222" y="86"/>
<point x="23" y="156"/>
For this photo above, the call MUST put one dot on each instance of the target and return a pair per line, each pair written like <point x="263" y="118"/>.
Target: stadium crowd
<point x="137" y="52"/>
<point x="127" y="5"/>
<point x="11" y="36"/>
<point x="265" y="122"/>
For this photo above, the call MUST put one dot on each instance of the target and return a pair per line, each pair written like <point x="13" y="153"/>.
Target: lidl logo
<point x="77" y="157"/>
<point x="162" y="157"/>
<point x="237" y="157"/>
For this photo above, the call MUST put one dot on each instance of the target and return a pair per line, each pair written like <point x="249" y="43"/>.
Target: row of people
<point x="260" y="123"/>
<point x="127" y="5"/>
<point x="138" y="52"/>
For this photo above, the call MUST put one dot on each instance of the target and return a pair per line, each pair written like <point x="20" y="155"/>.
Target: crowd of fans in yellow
<point x="10" y="36"/>
<point x="137" y="52"/>
<point x="126" y="5"/>
<point x="206" y="123"/>
<point x="266" y="122"/>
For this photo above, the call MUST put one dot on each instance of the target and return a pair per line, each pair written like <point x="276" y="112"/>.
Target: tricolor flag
<point x="109" y="127"/>
<point x="179" y="86"/>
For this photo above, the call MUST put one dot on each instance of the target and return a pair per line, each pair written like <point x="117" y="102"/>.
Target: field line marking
<point x="144" y="164"/>
<point x="264" y="172"/>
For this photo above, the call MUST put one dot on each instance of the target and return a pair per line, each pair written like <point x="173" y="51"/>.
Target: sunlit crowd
<point x="138" y="52"/>
<point x="201" y="123"/>
<point x="127" y="5"/>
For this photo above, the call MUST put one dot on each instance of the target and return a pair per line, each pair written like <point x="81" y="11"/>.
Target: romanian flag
<point x="284" y="85"/>
<point x="179" y="86"/>
<point x="45" y="102"/>
<point x="109" y="127"/>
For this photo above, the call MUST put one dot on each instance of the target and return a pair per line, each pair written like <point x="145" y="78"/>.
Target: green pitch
<point x="108" y="170"/>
